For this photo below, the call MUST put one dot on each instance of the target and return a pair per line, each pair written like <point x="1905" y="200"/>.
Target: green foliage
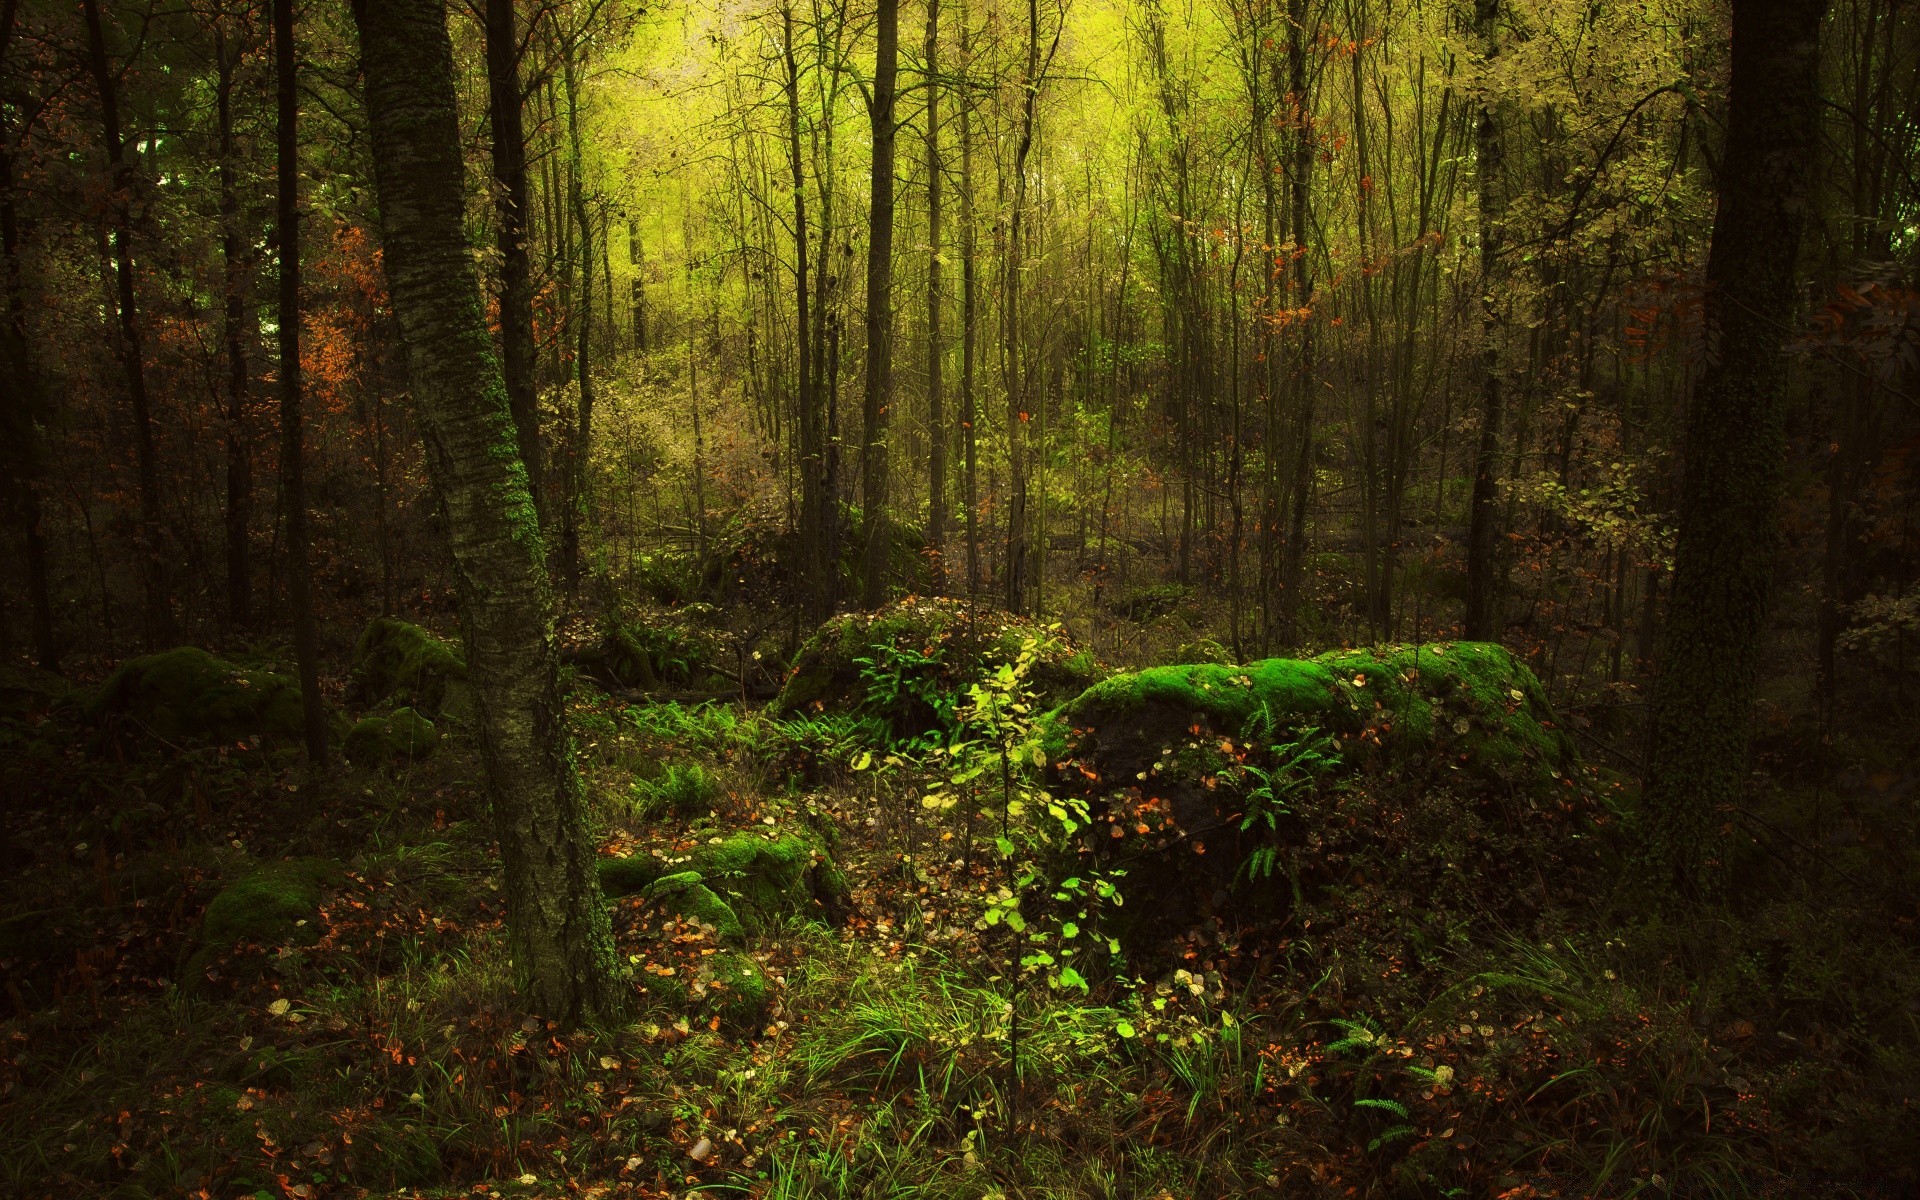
<point x="682" y="789"/>
<point x="684" y="894"/>
<point x="645" y="655"/>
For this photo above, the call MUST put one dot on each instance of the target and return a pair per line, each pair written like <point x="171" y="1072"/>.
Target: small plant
<point x="683" y="789"/>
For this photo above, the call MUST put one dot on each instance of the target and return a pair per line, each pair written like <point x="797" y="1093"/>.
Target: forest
<point x="968" y="599"/>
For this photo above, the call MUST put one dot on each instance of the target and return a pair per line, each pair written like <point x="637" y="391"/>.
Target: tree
<point x="158" y="608"/>
<point x="504" y="102"/>
<point x="1482" y="596"/>
<point x="1733" y="452"/>
<point x="877" y="398"/>
<point x="562" y="942"/>
<point x="292" y="448"/>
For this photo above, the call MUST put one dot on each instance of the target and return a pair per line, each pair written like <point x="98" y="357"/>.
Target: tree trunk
<point x="936" y="402"/>
<point x="1482" y="598"/>
<point x="562" y="943"/>
<point x="233" y="257"/>
<point x="969" y="320"/>
<point x="1293" y="572"/>
<point x="578" y="473"/>
<point x="158" y="605"/>
<point x="1733" y="452"/>
<point x="306" y="651"/>
<point x="877" y="398"/>
<point x="511" y="208"/>
<point x="22" y="422"/>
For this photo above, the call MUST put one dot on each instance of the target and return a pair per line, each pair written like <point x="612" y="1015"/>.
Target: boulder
<point x="686" y="895"/>
<point x="1201" y="777"/>
<point x="265" y="907"/>
<point x="402" y="735"/>
<point x="762" y="878"/>
<point x="399" y="662"/>
<point x="187" y="692"/>
<point x="910" y="662"/>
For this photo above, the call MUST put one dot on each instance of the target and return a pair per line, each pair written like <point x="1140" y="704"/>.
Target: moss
<point x="763" y="879"/>
<point x="1225" y="696"/>
<point x="736" y="986"/>
<point x="768" y="879"/>
<point x="186" y="692"/>
<point x="1473" y="702"/>
<point x="402" y="734"/>
<point x="627" y="876"/>
<point x="265" y="907"/>
<point x="688" y="896"/>
<point x="922" y="654"/>
<point x="683" y="789"/>
<point x="1206" y="650"/>
<point x="395" y="660"/>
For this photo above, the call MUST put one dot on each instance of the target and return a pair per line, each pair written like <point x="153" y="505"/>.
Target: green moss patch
<point x="187" y="692"/>
<point x="403" y="663"/>
<point x="762" y="878"/>
<point x="910" y="662"/>
<point x="686" y="895"/>
<point x="402" y="735"/>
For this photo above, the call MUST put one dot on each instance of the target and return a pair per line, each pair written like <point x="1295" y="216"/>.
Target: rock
<point x="1206" y="650"/>
<point x="1190" y="771"/>
<point x="920" y="655"/>
<point x="403" y="663"/>
<point x="187" y="692"/>
<point x="400" y="735"/>
<point x="763" y="880"/>
<point x="728" y="981"/>
<point x="686" y="894"/>
<point x="265" y="907"/>
<point x="1152" y="602"/>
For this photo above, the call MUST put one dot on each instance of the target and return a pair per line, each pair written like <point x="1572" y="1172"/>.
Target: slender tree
<point x="293" y="489"/>
<point x="936" y="401"/>
<point x="877" y="397"/>
<point x="510" y="201"/>
<point x="158" y="608"/>
<point x="1489" y="150"/>
<point x="1734" y="452"/>
<point x="562" y="943"/>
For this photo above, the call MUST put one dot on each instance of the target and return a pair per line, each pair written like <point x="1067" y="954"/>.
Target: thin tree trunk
<point x="936" y="402"/>
<point x="969" y="317"/>
<point x="579" y="473"/>
<point x="511" y="208"/>
<point x="24" y="418"/>
<point x="293" y="489"/>
<point x="1734" y="452"/>
<point x="1483" y="602"/>
<point x="561" y="940"/>
<point x="1306" y="375"/>
<point x="877" y="398"/>
<point x="233" y="261"/>
<point x="158" y="606"/>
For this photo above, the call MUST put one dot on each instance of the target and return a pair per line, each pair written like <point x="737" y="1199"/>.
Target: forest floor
<point x="1373" y="1044"/>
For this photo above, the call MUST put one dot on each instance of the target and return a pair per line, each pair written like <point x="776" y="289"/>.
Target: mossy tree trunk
<point x="1734" y="451"/>
<point x="562" y="944"/>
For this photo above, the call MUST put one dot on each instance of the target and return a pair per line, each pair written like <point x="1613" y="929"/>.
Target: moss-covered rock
<point x="186" y="692"/>
<point x="1172" y="760"/>
<point x="685" y="894"/>
<point x="762" y="878"/>
<point x="399" y="662"/>
<point x="272" y="905"/>
<point x="400" y="735"/>
<point x="909" y="662"/>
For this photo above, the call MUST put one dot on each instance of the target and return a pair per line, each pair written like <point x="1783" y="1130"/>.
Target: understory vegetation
<point x="1206" y="930"/>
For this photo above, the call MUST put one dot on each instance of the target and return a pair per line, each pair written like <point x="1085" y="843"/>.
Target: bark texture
<point x="563" y="952"/>
<point x="1734" y="452"/>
